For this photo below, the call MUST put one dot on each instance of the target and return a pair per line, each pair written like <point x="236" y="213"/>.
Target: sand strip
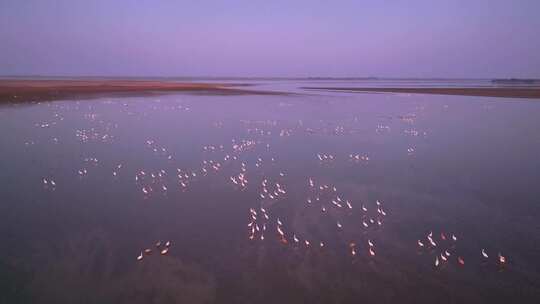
<point x="507" y="92"/>
<point x="15" y="91"/>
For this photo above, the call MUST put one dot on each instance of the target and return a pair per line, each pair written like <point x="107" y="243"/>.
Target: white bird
<point x="420" y="244"/>
<point x="502" y="259"/>
<point x="371" y="252"/>
<point x="140" y="257"/>
<point x="164" y="251"/>
<point x="339" y="225"/>
<point x="431" y="241"/>
<point x="484" y="254"/>
<point x="370" y="243"/>
<point x="436" y="261"/>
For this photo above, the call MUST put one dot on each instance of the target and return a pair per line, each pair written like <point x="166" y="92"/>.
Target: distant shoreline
<point x="19" y="90"/>
<point x="262" y="78"/>
<point x="504" y="92"/>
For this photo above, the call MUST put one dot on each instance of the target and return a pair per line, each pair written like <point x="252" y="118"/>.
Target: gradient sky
<point x="386" y="38"/>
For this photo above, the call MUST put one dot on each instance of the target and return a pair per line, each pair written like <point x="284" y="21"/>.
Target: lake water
<point x="75" y="215"/>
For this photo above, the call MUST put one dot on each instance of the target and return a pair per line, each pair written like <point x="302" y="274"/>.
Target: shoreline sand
<point x="18" y="91"/>
<point x="504" y="92"/>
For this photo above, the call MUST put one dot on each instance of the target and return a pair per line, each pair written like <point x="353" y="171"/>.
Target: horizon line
<point x="264" y="77"/>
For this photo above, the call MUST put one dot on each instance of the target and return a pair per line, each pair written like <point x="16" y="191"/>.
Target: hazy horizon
<point x="417" y="39"/>
<point x="240" y="77"/>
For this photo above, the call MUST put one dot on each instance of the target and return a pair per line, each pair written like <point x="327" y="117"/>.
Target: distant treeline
<point x="515" y="81"/>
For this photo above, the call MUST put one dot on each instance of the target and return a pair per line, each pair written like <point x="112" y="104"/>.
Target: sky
<point x="292" y="38"/>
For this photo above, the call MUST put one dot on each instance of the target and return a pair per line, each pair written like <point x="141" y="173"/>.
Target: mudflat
<point x="507" y="92"/>
<point x="16" y="90"/>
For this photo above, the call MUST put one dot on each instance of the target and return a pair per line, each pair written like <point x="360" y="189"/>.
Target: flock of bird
<point x="443" y="247"/>
<point x="161" y="248"/>
<point x="262" y="225"/>
<point x="324" y="196"/>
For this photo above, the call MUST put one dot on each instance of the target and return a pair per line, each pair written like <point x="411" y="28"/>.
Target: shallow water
<point x="462" y="166"/>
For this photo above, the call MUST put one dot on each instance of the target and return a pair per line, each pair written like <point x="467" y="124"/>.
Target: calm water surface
<point x="75" y="215"/>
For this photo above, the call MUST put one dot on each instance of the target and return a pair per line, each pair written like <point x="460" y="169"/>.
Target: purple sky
<point x="387" y="38"/>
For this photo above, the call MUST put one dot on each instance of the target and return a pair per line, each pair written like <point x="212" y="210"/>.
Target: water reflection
<point x="319" y="198"/>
